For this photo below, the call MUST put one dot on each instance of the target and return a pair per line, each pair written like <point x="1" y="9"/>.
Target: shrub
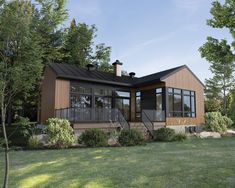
<point x="227" y="121"/>
<point x="216" y="122"/>
<point x="180" y="137"/>
<point x="130" y="138"/>
<point x="60" y="133"/>
<point x="164" y="134"/>
<point x="34" y="142"/>
<point x="94" y="138"/>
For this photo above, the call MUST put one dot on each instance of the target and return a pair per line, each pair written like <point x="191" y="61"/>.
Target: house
<point x="89" y="98"/>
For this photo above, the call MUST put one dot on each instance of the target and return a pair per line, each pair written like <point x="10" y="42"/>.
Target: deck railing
<point x="75" y="115"/>
<point x="151" y="116"/>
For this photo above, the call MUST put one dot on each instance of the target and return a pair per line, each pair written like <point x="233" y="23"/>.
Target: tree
<point x="20" y="58"/>
<point x="220" y="54"/>
<point x="49" y="18"/>
<point x="79" y="47"/>
<point x="102" y="57"/>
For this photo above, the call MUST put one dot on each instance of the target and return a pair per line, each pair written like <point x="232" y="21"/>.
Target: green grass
<point x="193" y="163"/>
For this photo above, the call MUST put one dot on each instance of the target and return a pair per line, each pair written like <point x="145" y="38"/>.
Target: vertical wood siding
<point x="62" y="90"/>
<point x="184" y="79"/>
<point x="47" y="95"/>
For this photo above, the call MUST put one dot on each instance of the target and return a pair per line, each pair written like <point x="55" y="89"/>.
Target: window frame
<point x="191" y="94"/>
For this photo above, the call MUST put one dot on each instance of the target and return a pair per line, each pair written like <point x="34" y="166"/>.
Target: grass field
<point x="193" y="163"/>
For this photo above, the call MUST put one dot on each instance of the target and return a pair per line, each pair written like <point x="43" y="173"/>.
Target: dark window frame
<point x="137" y="112"/>
<point x="173" y="113"/>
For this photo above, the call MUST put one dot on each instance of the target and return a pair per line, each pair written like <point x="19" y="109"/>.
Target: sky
<point x="148" y="36"/>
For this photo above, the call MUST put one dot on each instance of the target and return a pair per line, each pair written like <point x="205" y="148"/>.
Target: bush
<point x="164" y="134"/>
<point x="216" y="122"/>
<point x="94" y="138"/>
<point x="180" y="137"/>
<point x="60" y="133"/>
<point x="130" y="138"/>
<point x="34" y="143"/>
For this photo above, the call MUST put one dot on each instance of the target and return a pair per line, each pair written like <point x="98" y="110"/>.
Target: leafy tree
<point x="220" y="56"/>
<point x="102" y="57"/>
<point x="49" y="18"/>
<point x="231" y="111"/>
<point x="20" y="58"/>
<point x="79" y="47"/>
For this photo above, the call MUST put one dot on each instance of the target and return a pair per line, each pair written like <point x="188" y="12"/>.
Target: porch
<point x="110" y="118"/>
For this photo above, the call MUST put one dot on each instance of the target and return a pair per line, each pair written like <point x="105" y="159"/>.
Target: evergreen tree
<point x="219" y="53"/>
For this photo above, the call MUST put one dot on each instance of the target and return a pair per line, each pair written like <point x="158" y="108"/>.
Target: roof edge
<point x="179" y="69"/>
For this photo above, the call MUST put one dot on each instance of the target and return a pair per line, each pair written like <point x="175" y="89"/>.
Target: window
<point x="80" y="96"/>
<point x="181" y="103"/>
<point x="103" y="98"/>
<point x="80" y="101"/>
<point x="138" y="104"/>
<point x="103" y="102"/>
<point x="122" y="102"/>
<point x="159" y="99"/>
<point x="80" y="89"/>
<point x="124" y="106"/>
<point x="122" y="94"/>
<point x="103" y="92"/>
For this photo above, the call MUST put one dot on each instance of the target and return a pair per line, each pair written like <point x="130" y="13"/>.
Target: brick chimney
<point x="117" y="68"/>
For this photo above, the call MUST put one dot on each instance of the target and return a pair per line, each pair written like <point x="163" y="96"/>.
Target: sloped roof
<point x="74" y="72"/>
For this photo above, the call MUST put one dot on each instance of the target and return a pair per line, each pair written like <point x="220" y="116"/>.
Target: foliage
<point x="180" y="137"/>
<point x="220" y="53"/>
<point x="34" y="142"/>
<point x="214" y="121"/>
<point x="220" y="57"/>
<point x="60" y="133"/>
<point x="213" y="104"/>
<point x="79" y="46"/>
<point x="1" y="142"/>
<point x="231" y="111"/>
<point x="130" y="137"/>
<point x="164" y="134"/>
<point x="94" y="138"/>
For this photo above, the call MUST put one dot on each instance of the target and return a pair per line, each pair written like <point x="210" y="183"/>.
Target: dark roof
<point x="68" y="71"/>
<point x="157" y="77"/>
<point x="74" y="72"/>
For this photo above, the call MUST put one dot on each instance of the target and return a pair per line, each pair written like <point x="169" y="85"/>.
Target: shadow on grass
<point x="194" y="163"/>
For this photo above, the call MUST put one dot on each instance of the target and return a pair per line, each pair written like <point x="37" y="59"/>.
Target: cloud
<point x="84" y="8"/>
<point x="166" y="37"/>
<point x="189" y="5"/>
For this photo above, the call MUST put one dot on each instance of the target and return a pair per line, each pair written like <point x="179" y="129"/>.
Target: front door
<point x="124" y="106"/>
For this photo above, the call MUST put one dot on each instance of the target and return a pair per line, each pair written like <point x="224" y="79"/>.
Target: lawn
<point x="193" y="163"/>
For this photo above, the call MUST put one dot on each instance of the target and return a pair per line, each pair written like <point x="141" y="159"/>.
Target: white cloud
<point x="136" y="48"/>
<point x="189" y="5"/>
<point x="84" y="7"/>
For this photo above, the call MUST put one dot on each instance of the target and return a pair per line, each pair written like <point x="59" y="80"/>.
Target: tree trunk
<point x="3" y="114"/>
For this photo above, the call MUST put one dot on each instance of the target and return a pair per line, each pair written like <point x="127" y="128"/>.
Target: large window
<point x="103" y="98"/>
<point x="138" y="104"/>
<point x="122" y="102"/>
<point x="80" y="96"/>
<point x="181" y="103"/>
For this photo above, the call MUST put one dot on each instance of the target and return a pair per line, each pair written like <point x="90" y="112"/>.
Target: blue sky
<point x="151" y="35"/>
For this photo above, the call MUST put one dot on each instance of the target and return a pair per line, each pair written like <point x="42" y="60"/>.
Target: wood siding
<point x="54" y="95"/>
<point x="47" y="95"/>
<point x="62" y="91"/>
<point x="184" y="79"/>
